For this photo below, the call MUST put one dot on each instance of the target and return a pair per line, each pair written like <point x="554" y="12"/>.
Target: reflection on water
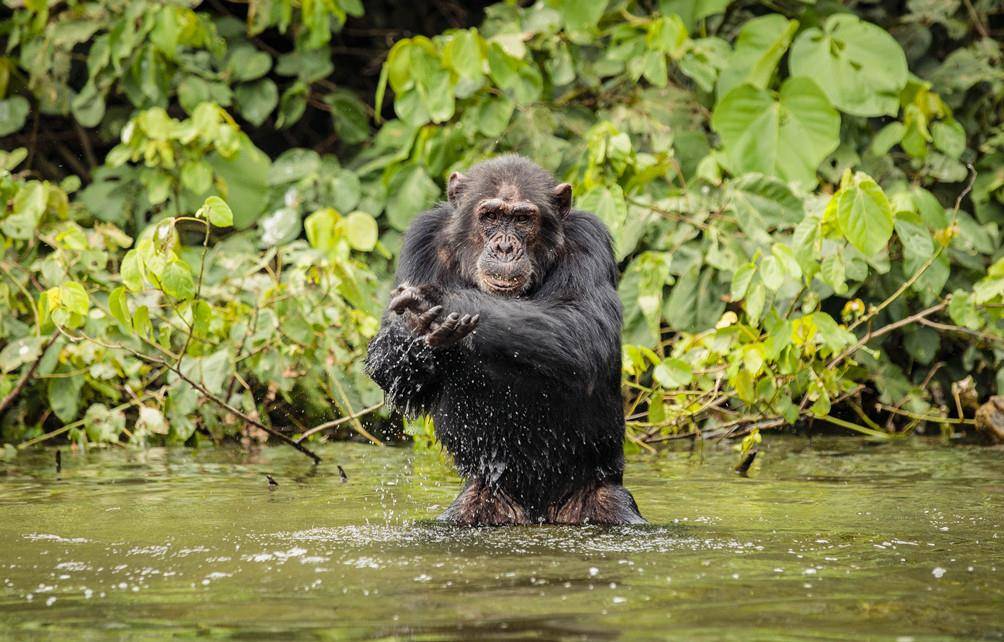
<point x="833" y="540"/>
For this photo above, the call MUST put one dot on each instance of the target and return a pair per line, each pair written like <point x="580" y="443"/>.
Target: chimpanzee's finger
<point x="444" y="333"/>
<point x="410" y="299"/>
<point x="424" y="321"/>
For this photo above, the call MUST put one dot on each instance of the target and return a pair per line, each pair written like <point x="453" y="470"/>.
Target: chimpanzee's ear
<point x="562" y="196"/>
<point x="455" y="187"/>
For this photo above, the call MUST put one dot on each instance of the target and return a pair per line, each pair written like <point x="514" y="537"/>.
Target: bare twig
<point x="936" y="419"/>
<point x="947" y="327"/>
<point x="338" y="422"/>
<point x="79" y="422"/>
<point x="226" y="406"/>
<point x="886" y="329"/>
<point x="171" y="365"/>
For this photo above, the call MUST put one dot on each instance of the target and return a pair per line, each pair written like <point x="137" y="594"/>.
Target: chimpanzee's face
<point x="508" y="225"/>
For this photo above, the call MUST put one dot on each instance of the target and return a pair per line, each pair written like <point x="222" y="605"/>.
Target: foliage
<point x="787" y="186"/>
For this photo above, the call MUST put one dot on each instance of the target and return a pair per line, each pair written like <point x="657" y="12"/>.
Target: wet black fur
<point x="530" y="403"/>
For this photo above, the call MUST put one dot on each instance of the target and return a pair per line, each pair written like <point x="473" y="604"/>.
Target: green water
<point x="833" y="540"/>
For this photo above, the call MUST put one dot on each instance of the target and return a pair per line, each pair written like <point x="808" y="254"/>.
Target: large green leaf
<point x="763" y="202"/>
<point x="465" y="53"/>
<point x="864" y="214"/>
<point x="859" y="65"/>
<point x="759" y="47"/>
<point x="410" y="191"/>
<point x="63" y="394"/>
<point x="785" y="136"/>
<point x="361" y="231"/>
<point x="580" y="14"/>
<point x="256" y="100"/>
<point x="245" y="175"/>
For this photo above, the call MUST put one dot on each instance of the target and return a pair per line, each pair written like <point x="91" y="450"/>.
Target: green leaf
<point x="580" y="15"/>
<point x="673" y="373"/>
<point x="361" y="231"/>
<point x="247" y="63"/>
<point x="13" y="113"/>
<point x="176" y="280"/>
<point x="756" y="299"/>
<point x="88" y="106"/>
<point x="741" y="280"/>
<point x="119" y="308"/>
<point x="949" y="137"/>
<point x="132" y="271"/>
<point x="245" y="177"/>
<point x="771" y="273"/>
<point x="865" y="215"/>
<point x="494" y="114"/>
<point x="963" y="310"/>
<point x="256" y="100"/>
<point x="522" y="79"/>
<point x="103" y="425"/>
<point x="216" y="211"/>
<point x="280" y="227"/>
<point x="832" y="270"/>
<point x="786" y="260"/>
<point x="322" y="229"/>
<point x="763" y="202"/>
<point x="349" y="117"/>
<point x="606" y="202"/>
<point x="151" y="420"/>
<point x="788" y="137"/>
<point x="410" y="191"/>
<point x="19" y="352"/>
<point x="197" y="176"/>
<point x="74" y="298"/>
<point x="141" y="321"/>
<point x="922" y="343"/>
<point x="759" y="47"/>
<point x="918" y="246"/>
<point x="464" y="53"/>
<point x="887" y="137"/>
<point x="63" y="394"/>
<point x="859" y="65"/>
<point x="693" y="10"/>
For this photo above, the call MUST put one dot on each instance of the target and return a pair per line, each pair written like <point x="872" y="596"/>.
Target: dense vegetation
<point x="202" y="203"/>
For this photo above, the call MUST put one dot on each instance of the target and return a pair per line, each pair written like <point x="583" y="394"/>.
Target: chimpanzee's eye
<point x="522" y="219"/>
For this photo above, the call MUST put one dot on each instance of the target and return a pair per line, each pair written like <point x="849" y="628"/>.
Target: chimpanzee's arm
<point x="570" y="329"/>
<point x="399" y="359"/>
<point x="404" y="365"/>
<point x="564" y="340"/>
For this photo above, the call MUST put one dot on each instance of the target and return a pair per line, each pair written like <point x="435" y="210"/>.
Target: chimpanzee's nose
<point x="506" y="246"/>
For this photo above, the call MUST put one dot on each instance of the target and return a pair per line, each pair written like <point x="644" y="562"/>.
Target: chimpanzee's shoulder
<point x="584" y="231"/>
<point x="417" y="260"/>
<point x="429" y="222"/>
<point x="589" y="245"/>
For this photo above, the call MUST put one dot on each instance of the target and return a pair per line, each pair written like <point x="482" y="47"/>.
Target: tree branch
<point x="338" y="422"/>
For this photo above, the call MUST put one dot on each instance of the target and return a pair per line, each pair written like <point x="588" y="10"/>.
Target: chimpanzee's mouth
<point x="504" y="284"/>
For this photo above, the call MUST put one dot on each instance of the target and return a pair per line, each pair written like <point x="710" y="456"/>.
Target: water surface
<point x="829" y="540"/>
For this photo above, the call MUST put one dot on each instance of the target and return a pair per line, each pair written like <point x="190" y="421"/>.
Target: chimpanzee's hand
<point x="452" y="330"/>
<point x="417" y="305"/>
<point x="420" y="309"/>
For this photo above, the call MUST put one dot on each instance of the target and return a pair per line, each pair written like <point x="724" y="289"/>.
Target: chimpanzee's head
<point x="507" y="225"/>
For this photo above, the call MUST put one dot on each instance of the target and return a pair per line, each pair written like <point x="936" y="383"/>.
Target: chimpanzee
<point x="505" y="328"/>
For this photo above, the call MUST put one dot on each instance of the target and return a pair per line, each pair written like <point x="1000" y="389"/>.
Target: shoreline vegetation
<point x="202" y="203"/>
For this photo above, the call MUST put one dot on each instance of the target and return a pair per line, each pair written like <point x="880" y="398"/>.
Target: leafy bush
<point x="806" y="201"/>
